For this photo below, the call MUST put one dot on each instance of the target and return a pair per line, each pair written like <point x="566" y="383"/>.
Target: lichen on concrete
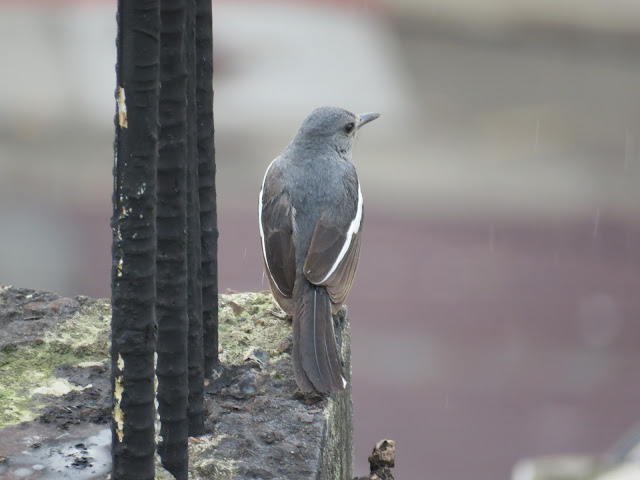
<point x="246" y="319"/>
<point x="258" y="423"/>
<point x="28" y="370"/>
<point x="262" y="427"/>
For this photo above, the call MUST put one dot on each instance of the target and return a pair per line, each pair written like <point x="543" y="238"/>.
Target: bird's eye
<point x="349" y="127"/>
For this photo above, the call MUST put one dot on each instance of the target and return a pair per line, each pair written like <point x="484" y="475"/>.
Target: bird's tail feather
<point x="316" y="358"/>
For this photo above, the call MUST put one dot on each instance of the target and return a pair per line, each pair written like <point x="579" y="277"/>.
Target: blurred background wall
<point x="495" y="314"/>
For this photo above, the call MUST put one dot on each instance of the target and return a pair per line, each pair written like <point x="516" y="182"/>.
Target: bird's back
<point x="316" y="182"/>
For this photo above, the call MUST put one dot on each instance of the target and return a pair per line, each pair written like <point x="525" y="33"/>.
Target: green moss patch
<point x="80" y="338"/>
<point x="247" y="319"/>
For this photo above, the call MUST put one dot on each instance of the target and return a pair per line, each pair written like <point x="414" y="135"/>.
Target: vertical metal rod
<point x="207" y="187"/>
<point x="171" y="282"/>
<point x="133" y="288"/>
<point x="194" y="266"/>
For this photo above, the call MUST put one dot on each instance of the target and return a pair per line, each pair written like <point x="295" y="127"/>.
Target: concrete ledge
<point x="262" y="426"/>
<point x="54" y="363"/>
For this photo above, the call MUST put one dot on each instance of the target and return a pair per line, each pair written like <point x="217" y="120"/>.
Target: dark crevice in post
<point x="207" y="187"/>
<point x="194" y="267"/>
<point x="134" y="241"/>
<point x="171" y="283"/>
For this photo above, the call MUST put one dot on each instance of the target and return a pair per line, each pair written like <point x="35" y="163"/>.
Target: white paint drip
<point x="122" y="109"/>
<point x="118" y="413"/>
<point x="155" y="399"/>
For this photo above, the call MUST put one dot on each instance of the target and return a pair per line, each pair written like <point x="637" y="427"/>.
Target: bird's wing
<point x="276" y="232"/>
<point x="335" y="246"/>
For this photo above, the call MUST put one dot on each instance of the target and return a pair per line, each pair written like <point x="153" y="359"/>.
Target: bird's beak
<point x="364" y="118"/>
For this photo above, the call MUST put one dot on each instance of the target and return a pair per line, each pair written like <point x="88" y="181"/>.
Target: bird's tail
<point x="316" y="360"/>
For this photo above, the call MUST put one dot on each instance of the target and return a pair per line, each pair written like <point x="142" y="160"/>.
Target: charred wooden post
<point x="194" y="266"/>
<point x="207" y="187"/>
<point x="133" y="286"/>
<point x="171" y="282"/>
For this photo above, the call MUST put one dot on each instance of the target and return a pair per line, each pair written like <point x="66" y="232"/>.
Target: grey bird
<point x="310" y="216"/>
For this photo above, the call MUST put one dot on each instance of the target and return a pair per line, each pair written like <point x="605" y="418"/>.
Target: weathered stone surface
<point x="56" y="378"/>
<point x="262" y="427"/>
<point x="25" y="315"/>
<point x="53" y="354"/>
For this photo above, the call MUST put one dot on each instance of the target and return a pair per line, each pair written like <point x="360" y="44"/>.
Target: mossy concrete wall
<point x="39" y="333"/>
<point x="54" y="353"/>
<point x="262" y="427"/>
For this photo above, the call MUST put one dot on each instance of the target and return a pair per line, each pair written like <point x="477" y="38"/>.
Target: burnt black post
<point x="171" y="283"/>
<point x="194" y="266"/>
<point x="207" y="174"/>
<point x="134" y="241"/>
<point x="164" y="132"/>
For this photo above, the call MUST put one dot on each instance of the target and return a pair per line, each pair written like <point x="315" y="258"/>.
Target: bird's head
<point x="332" y="127"/>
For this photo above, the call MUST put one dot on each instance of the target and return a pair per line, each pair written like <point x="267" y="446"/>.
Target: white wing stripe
<point x="264" y="247"/>
<point x="353" y="229"/>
